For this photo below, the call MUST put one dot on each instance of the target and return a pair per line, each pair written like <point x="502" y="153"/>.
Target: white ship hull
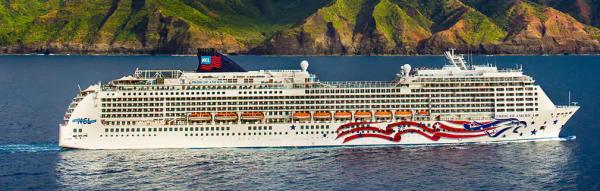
<point x="94" y="136"/>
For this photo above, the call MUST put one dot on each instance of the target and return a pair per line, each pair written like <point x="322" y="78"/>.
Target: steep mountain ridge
<point x="322" y="27"/>
<point x="536" y="29"/>
<point x="143" y="26"/>
<point x="464" y="28"/>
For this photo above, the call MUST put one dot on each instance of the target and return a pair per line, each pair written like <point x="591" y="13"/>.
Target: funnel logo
<point x="205" y="60"/>
<point x="207" y="63"/>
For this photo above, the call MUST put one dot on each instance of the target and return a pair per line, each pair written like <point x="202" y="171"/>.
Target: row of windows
<point x="204" y="87"/>
<point x="254" y="128"/>
<point x="349" y="91"/>
<point x="153" y="115"/>
<point x="201" y="134"/>
<point x="314" y="101"/>
<point x="314" y="126"/>
<point x="258" y="98"/>
<point x="463" y="108"/>
<point x="517" y="99"/>
<point x="252" y="134"/>
<point x="315" y="104"/>
<point x="516" y="104"/>
<point x="324" y="133"/>
<point x="518" y="109"/>
<point x="226" y="134"/>
<point x="477" y="84"/>
<point x="172" y="93"/>
<point x="466" y="90"/>
<point x="260" y="92"/>
<point x="474" y="79"/>
<point x="238" y="134"/>
<point x="127" y="135"/>
<point x="169" y="129"/>
<point x="166" y="129"/>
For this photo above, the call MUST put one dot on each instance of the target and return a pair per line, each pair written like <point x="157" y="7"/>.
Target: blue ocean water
<point x="35" y="91"/>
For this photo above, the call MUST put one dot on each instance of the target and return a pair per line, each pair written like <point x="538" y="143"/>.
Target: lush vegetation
<point x="177" y="26"/>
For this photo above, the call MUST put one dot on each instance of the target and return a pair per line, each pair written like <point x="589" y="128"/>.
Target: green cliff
<point x="322" y="27"/>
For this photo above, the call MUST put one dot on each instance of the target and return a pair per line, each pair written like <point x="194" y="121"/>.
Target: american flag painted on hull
<point x="438" y="130"/>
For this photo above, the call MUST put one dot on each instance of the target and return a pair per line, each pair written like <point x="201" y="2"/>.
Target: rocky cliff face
<point x="463" y="28"/>
<point x="545" y="30"/>
<point x="325" y="27"/>
<point x="386" y="27"/>
<point x="143" y="26"/>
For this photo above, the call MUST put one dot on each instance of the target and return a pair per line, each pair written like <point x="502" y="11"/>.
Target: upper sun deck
<point x="458" y="67"/>
<point x="455" y="71"/>
<point x="177" y="77"/>
<point x="476" y="70"/>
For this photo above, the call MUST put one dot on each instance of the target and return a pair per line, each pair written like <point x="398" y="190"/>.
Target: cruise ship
<point x="222" y="105"/>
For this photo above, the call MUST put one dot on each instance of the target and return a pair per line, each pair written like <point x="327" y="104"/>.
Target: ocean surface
<point x="35" y="92"/>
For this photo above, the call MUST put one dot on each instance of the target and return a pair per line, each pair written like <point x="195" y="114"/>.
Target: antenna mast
<point x="569" y="98"/>
<point x="456" y="60"/>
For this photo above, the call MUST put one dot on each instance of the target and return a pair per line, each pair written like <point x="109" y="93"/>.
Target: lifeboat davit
<point x="403" y="113"/>
<point x="253" y="116"/>
<point x="424" y="113"/>
<point x="322" y="115"/>
<point x="225" y="116"/>
<point x="383" y="114"/>
<point x="362" y="114"/>
<point x="343" y="115"/>
<point x="301" y="115"/>
<point x="200" y="116"/>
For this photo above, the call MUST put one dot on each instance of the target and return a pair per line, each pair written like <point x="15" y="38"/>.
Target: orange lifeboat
<point x="322" y="115"/>
<point x="424" y="113"/>
<point x="383" y="114"/>
<point x="362" y="114"/>
<point x="225" y="116"/>
<point x="199" y="116"/>
<point x="403" y="113"/>
<point x="343" y="115"/>
<point x="253" y="116"/>
<point x="301" y="115"/>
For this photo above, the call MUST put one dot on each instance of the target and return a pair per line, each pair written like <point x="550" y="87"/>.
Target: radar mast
<point x="456" y="60"/>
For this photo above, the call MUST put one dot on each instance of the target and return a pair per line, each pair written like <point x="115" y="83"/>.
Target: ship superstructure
<point x="221" y="105"/>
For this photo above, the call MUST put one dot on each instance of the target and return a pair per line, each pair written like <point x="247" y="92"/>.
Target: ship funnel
<point x="213" y="61"/>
